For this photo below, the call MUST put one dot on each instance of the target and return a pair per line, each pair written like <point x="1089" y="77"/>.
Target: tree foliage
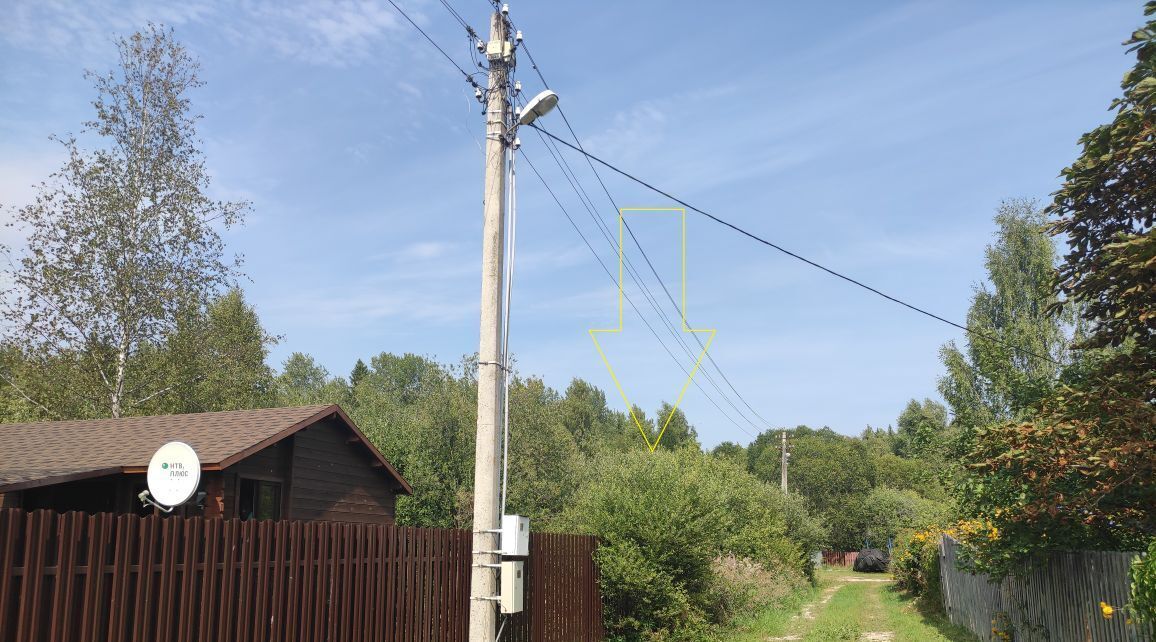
<point x="663" y="518"/>
<point x="1081" y="473"/>
<point x="214" y="361"/>
<point x="922" y="429"/>
<point x="121" y="243"/>
<point x="990" y="381"/>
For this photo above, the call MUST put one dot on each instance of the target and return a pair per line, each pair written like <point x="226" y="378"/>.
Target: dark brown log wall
<point x="334" y="479"/>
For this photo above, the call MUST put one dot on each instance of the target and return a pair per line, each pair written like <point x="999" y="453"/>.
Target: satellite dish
<point x="174" y="473"/>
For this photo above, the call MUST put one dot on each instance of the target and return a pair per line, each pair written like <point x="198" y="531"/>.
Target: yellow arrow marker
<point x="682" y="313"/>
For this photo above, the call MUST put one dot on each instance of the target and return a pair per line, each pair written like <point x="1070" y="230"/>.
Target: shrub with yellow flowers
<point x="915" y="561"/>
<point x="915" y="558"/>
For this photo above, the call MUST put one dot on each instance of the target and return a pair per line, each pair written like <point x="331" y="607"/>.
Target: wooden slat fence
<point x="840" y="558"/>
<point x="74" y="577"/>
<point x="1057" y="601"/>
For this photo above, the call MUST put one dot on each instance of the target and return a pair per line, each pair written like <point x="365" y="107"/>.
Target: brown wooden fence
<point x="1055" y="600"/>
<point x="74" y="577"/>
<point x="840" y="558"/>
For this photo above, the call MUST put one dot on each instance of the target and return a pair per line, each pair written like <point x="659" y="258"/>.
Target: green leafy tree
<point x="1081" y="473"/>
<point x="989" y="381"/>
<point x="359" y="372"/>
<point x="422" y="416"/>
<point x="215" y="361"/>
<point x="922" y="429"/>
<point x="825" y="467"/>
<point x="587" y="418"/>
<point x="879" y="442"/>
<point x="304" y="382"/>
<point x="677" y="432"/>
<point x="544" y="458"/>
<point x="885" y="512"/>
<point x="122" y="242"/>
<point x="639" y="419"/>
<point x="732" y="451"/>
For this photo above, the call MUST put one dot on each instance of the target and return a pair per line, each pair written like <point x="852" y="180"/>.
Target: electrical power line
<point x="650" y="297"/>
<point x="469" y="78"/>
<point x="793" y="255"/>
<point x="631" y="271"/>
<point x="673" y="329"/>
<point x="634" y="238"/>
<point x="630" y="301"/>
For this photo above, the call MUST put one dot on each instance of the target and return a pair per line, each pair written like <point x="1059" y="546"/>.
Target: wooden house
<point x="305" y="463"/>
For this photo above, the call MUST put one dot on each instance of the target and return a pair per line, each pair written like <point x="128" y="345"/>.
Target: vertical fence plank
<point x="187" y="599"/>
<point x="262" y="558"/>
<point x="378" y="631"/>
<point x="279" y="574"/>
<point x="210" y="581"/>
<point x="321" y="588"/>
<point x="60" y="624"/>
<point x="309" y="581"/>
<point x="36" y="536"/>
<point x="91" y="612"/>
<point x="11" y="540"/>
<point x="170" y="544"/>
<point x="122" y="575"/>
<point x="393" y="570"/>
<point x="229" y="534"/>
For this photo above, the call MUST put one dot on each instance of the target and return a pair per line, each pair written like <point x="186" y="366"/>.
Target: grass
<point x="843" y="617"/>
<point x="853" y="610"/>
<point x="772" y="621"/>
<point x="914" y="619"/>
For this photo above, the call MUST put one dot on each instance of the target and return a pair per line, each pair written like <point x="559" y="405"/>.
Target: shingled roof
<point x="52" y="452"/>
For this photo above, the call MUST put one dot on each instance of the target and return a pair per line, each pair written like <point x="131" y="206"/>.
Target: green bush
<point x="915" y="563"/>
<point x="667" y="522"/>
<point x="1143" y="602"/>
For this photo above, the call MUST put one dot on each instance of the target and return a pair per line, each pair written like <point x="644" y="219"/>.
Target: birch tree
<point x="123" y="240"/>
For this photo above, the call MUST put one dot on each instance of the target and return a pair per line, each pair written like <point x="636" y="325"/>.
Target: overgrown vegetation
<point x="688" y="541"/>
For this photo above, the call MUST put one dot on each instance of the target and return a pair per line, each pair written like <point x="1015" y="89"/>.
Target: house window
<point x="259" y="500"/>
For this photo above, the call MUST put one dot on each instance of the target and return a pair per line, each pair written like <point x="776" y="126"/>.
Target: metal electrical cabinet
<point x="515" y="536"/>
<point x="513" y="584"/>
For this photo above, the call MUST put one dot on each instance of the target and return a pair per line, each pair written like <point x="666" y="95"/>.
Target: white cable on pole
<point x="511" y="224"/>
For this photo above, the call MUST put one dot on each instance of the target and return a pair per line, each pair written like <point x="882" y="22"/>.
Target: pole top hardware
<point x="499" y="50"/>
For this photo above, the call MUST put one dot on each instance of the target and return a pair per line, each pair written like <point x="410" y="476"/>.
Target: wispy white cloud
<point x="633" y="132"/>
<point x="363" y="305"/>
<point x="415" y="251"/>
<point x="318" y="31"/>
<point x="68" y="28"/>
<point x="322" y="32"/>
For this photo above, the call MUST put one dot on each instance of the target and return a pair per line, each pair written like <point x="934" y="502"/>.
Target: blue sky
<point x="877" y="138"/>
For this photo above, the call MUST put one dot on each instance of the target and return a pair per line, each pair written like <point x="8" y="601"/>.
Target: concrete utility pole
<point x="783" y="473"/>
<point x="484" y="571"/>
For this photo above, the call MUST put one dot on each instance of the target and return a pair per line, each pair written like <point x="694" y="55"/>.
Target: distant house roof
<point x="53" y="452"/>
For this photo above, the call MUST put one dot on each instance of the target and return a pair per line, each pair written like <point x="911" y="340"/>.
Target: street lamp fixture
<point x="538" y="106"/>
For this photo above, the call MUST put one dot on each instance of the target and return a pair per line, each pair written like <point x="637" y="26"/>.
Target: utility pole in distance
<point x="783" y="481"/>
<point x="487" y="521"/>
